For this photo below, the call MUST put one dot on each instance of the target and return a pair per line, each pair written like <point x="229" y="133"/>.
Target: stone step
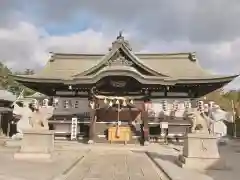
<point x="12" y="143"/>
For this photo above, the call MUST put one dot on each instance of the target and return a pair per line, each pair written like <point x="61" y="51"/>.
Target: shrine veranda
<point x="5" y="111"/>
<point x="99" y="92"/>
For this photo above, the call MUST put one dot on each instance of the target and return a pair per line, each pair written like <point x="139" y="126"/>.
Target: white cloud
<point x="21" y="46"/>
<point x="28" y="46"/>
<point x="88" y="41"/>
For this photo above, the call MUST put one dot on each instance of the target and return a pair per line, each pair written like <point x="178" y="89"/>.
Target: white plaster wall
<point x="82" y="105"/>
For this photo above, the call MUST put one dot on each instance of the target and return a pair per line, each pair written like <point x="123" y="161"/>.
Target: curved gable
<point x="120" y="53"/>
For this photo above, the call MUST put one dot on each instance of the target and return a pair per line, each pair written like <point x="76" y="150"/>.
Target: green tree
<point x="20" y="87"/>
<point x="224" y="100"/>
<point x="8" y="83"/>
<point x="28" y="72"/>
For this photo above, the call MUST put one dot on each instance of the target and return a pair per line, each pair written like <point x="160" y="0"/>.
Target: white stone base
<point x="201" y="163"/>
<point x="90" y="141"/>
<point x="146" y="143"/>
<point x="13" y="143"/>
<point x="2" y="140"/>
<point x="36" y="144"/>
<point x="200" y="152"/>
<point x="32" y="156"/>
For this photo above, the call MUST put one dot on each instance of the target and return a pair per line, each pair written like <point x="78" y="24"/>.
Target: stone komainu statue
<point x="32" y="117"/>
<point x="39" y="118"/>
<point x="200" y="122"/>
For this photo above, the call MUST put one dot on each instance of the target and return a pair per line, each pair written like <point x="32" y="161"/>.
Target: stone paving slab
<point x="97" y="146"/>
<point x="173" y="171"/>
<point x="111" y="162"/>
<point x="7" y="177"/>
<point x="110" y="165"/>
<point x="12" y="169"/>
<point x="231" y="153"/>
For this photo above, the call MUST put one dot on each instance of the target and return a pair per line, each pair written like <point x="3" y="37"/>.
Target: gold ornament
<point x="124" y="103"/>
<point x="131" y="101"/>
<point x="110" y="103"/>
<point x="117" y="102"/>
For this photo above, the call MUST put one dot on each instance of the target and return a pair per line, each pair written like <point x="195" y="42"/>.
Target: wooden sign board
<point x="164" y="125"/>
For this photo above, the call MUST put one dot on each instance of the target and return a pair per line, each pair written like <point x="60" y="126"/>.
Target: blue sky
<point x="30" y="29"/>
<point x="80" y="22"/>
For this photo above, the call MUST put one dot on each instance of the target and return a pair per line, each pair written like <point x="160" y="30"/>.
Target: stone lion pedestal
<point x="2" y="140"/>
<point x="200" y="152"/>
<point x="36" y="145"/>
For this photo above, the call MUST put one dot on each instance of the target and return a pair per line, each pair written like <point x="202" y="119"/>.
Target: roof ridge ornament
<point x="120" y="40"/>
<point x="120" y="36"/>
<point x="192" y="56"/>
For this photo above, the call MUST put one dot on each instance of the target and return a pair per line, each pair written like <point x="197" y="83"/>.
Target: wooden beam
<point x="1" y="129"/>
<point x="93" y="119"/>
<point x="145" y="126"/>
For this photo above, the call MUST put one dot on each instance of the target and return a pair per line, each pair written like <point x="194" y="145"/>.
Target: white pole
<point x="234" y="120"/>
<point x="1" y="130"/>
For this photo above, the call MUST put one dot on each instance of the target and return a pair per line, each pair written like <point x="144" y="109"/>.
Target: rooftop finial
<point x="120" y="40"/>
<point x="120" y="35"/>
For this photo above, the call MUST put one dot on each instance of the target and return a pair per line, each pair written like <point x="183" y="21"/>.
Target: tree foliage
<point x="224" y="100"/>
<point x="8" y="83"/>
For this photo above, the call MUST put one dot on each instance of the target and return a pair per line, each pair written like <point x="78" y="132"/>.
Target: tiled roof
<point x="7" y="96"/>
<point x="175" y="65"/>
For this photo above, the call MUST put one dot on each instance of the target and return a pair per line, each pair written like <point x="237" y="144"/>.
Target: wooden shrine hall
<point x="119" y="85"/>
<point x="6" y="100"/>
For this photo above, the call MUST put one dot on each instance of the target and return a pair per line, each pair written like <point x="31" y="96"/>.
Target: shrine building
<point x="110" y="93"/>
<point x="6" y="100"/>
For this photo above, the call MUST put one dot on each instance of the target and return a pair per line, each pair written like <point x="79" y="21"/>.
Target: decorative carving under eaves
<point x="192" y="56"/>
<point x="120" y="61"/>
<point x="119" y="84"/>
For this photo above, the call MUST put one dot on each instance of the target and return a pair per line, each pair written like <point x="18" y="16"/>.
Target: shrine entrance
<point x="121" y="115"/>
<point x="122" y="124"/>
<point x="119" y="83"/>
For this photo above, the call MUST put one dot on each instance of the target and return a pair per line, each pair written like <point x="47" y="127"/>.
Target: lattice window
<point x="165" y="105"/>
<point x="65" y="104"/>
<point x="76" y="105"/>
<point x="55" y="103"/>
<point x="200" y="106"/>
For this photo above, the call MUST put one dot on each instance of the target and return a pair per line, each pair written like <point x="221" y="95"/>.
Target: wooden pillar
<point x="194" y="103"/>
<point x="145" y="124"/>
<point x="93" y="119"/>
<point x="9" y="125"/>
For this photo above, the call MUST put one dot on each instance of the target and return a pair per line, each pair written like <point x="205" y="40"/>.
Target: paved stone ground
<point x="231" y="153"/>
<point x="115" y="165"/>
<point x="11" y="169"/>
<point x="107" y="162"/>
<point x="113" y="162"/>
